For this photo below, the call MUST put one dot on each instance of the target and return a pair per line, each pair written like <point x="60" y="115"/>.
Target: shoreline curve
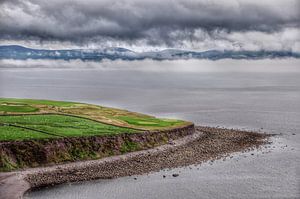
<point x="206" y="143"/>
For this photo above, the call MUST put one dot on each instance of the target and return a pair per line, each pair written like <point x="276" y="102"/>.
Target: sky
<point x="143" y="25"/>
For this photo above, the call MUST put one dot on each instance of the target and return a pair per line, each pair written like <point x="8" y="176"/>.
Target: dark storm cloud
<point x="165" y="22"/>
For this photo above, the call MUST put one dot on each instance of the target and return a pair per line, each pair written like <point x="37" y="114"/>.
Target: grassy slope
<point x="8" y="133"/>
<point x="99" y="120"/>
<point x="51" y="126"/>
<point x="17" y="108"/>
<point x="36" y="102"/>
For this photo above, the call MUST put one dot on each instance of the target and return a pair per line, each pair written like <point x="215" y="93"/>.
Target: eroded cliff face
<point x="33" y="153"/>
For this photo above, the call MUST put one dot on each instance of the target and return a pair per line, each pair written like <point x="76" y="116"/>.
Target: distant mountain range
<point x="22" y="53"/>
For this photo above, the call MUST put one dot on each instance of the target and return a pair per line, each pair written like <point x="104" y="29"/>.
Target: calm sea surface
<point x="256" y="100"/>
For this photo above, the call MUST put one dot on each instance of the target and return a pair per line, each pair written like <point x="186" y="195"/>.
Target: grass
<point x="37" y="102"/>
<point x="43" y="120"/>
<point x="90" y="119"/>
<point x="129" y="146"/>
<point x="152" y="122"/>
<point x="7" y="164"/>
<point x="17" y="107"/>
<point x="8" y="133"/>
<point x="50" y="126"/>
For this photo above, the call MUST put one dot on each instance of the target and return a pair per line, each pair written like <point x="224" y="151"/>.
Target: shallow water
<point x="256" y="100"/>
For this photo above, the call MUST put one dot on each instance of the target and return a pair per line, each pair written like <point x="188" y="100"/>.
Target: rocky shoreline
<point x="205" y="144"/>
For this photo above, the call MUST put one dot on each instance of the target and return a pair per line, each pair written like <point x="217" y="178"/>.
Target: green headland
<point x="23" y="119"/>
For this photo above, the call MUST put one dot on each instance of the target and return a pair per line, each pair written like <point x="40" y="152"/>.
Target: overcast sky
<point x="152" y="24"/>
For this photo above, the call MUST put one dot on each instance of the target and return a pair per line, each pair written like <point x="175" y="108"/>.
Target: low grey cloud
<point x="198" y="24"/>
<point x="149" y="65"/>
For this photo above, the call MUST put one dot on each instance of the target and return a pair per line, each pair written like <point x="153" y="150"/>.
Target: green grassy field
<point x="16" y="107"/>
<point x="8" y="133"/>
<point x="42" y="119"/>
<point x="152" y="122"/>
<point x="51" y="126"/>
<point x="36" y="102"/>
